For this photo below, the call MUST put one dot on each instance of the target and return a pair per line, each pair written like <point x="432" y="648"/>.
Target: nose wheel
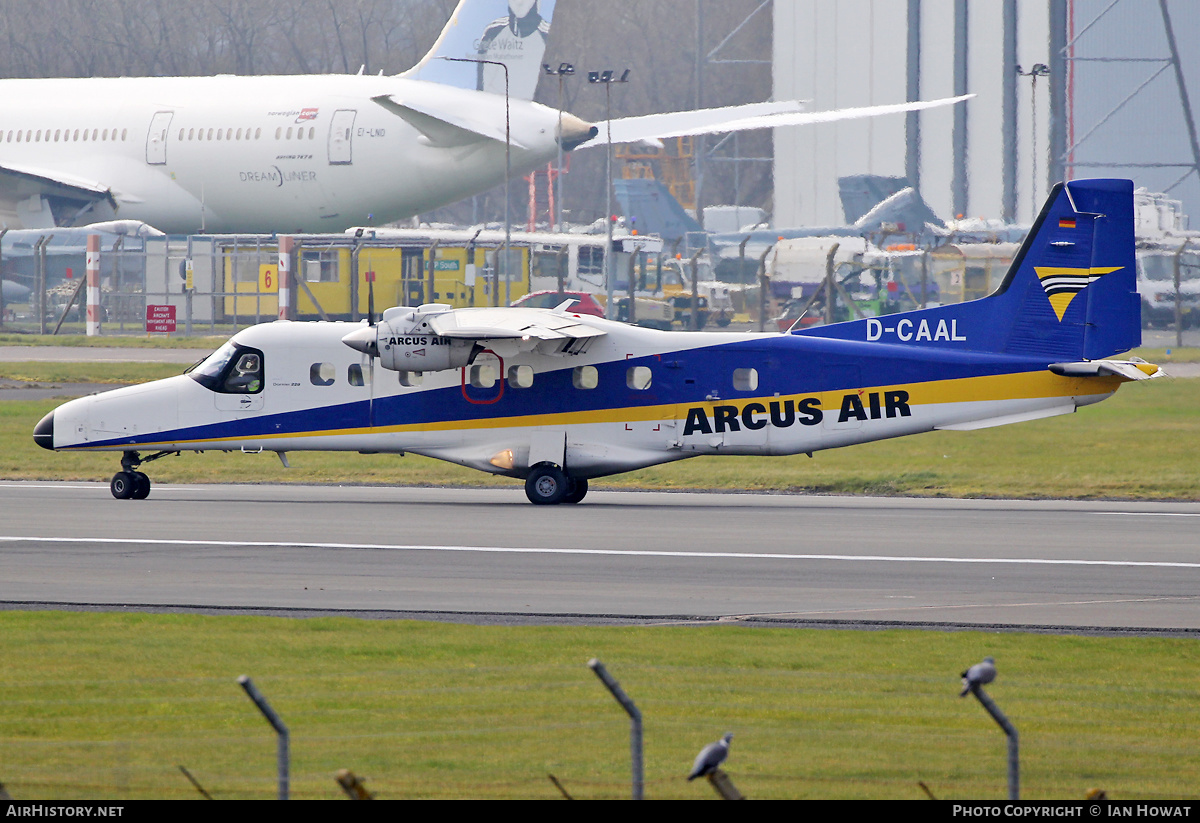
<point x="130" y="486"/>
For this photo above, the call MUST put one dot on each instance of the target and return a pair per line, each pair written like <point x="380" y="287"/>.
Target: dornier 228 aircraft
<point x="558" y="398"/>
<point x="316" y="153"/>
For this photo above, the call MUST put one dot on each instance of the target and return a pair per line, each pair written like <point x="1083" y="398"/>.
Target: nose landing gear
<point x="129" y="483"/>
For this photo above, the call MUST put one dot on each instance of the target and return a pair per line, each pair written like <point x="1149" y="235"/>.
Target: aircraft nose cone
<point x="43" y="432"/>
<point x="575" y="131"/>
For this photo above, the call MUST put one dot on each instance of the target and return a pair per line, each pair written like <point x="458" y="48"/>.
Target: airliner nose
<point x="43" y="432"/>
<point x="575" y="131"/>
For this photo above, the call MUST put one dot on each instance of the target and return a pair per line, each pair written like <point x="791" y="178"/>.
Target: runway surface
<point x="489" y="556"/>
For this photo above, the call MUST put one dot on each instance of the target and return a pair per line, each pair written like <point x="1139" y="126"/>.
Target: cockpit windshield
<point x="231" y="369"/>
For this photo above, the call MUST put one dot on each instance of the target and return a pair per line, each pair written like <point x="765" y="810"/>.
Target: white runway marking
<point x="851" y="558"/>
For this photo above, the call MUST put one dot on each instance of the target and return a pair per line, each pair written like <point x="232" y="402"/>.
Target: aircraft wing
<point x="652" y="127"/>
<point x="18" y="183"/>
<point x="441" y="127"/>
<point x="511" y="322"/>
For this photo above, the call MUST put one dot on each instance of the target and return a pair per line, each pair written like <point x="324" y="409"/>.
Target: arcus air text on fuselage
<point x="250" y="154"/>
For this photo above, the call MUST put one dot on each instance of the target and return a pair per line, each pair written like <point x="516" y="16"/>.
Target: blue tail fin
<point x="512" y="32"/>
<point x="1070" y="294"/>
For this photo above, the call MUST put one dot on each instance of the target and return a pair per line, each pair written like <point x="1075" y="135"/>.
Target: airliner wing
<point x="442" y="127"/>
<point x="653" y="127"/>
<point x="25" y="181"/>
<point x="511" y="322"/>
<point x="19" y="183"/>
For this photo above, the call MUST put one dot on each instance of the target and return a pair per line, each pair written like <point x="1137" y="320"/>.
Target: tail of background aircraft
<point x="1070" y="294"/>
<point x="512" y="32"/>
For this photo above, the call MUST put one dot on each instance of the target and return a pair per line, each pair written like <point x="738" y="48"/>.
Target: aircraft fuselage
<point x="258" y="154"/>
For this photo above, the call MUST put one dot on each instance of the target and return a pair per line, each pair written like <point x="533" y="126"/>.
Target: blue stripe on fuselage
<point x="786" y="364"/>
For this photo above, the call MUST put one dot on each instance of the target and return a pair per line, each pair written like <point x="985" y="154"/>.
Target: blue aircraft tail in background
<point x="1070" y="294"/>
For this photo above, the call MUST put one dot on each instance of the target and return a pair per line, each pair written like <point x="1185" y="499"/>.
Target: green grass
<point x="1144" y="443"/>
<point x="39" y="371"/>
<point x="108" y="705"/>
<point x="1182" y="354"/>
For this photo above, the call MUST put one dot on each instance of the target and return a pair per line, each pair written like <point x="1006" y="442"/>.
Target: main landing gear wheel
<point x="547" y="485"/>
<point x="579" y="487"/>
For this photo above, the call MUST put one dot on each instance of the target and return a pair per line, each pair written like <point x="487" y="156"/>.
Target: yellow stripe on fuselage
<point x="991" y="388"/>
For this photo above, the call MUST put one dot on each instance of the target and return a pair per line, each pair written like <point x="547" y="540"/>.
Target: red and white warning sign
<point x="160" y="318"/>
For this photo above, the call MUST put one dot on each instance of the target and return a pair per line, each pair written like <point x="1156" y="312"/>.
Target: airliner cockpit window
<point x="231" y="369"/>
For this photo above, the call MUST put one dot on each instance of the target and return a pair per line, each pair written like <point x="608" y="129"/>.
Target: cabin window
<point x="411" y="379"/>
<point x="355" y="375"/>
<point x="257" y="133"/>
<point x="520" y="377"/>
<point x="104" y="135"/>
<point x="289" y="133"/>
<point x="321" y="374"/>
<point x="638" y="378"/>
<point x="278" y="131"/>
<point x="95" y="133"/>
<point x="483" y="375"/>
<point x="182" y="132"/>
<point x="57" y="134"/>
<point x="124" y="133"/>
<point x="239" y="134"/>
<point x="745" y="379"/>
<point x="220" y="134"/>
<point x="585" y="377"/>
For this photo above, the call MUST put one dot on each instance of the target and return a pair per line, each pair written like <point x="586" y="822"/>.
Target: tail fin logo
<point x="1062" y="284"/>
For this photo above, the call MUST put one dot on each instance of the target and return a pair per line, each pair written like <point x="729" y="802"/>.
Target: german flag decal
<point x="1066" y="223"/>
<point x="1062" y="284"/>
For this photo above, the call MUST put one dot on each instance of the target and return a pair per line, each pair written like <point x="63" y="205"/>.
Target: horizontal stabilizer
<point x="651" y="127"/>
<point x="444" y="128"/>
<point x="1127" y="369"/>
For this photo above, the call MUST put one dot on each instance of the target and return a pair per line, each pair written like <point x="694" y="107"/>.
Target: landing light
<point x="502" y="459"/>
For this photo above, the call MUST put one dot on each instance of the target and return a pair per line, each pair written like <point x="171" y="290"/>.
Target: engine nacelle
<point x="403" y="341"/>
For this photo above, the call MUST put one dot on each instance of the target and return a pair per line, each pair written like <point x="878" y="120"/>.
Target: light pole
<point x="507" y="170"/>
<point x="1038" y="70"/>
<point x="563" y="70"/>
<point x="608" y="77"/>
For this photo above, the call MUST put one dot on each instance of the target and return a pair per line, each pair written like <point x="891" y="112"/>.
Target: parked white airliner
<point x="314" y="153"/>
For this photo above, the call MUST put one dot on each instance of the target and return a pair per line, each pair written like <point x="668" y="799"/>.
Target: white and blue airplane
<point x="558" y="398"/>
<point x="317" y="153"/>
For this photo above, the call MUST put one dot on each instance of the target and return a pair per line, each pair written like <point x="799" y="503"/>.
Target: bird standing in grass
<point x="710" y="757"/>
<point x="977" y="675"/>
